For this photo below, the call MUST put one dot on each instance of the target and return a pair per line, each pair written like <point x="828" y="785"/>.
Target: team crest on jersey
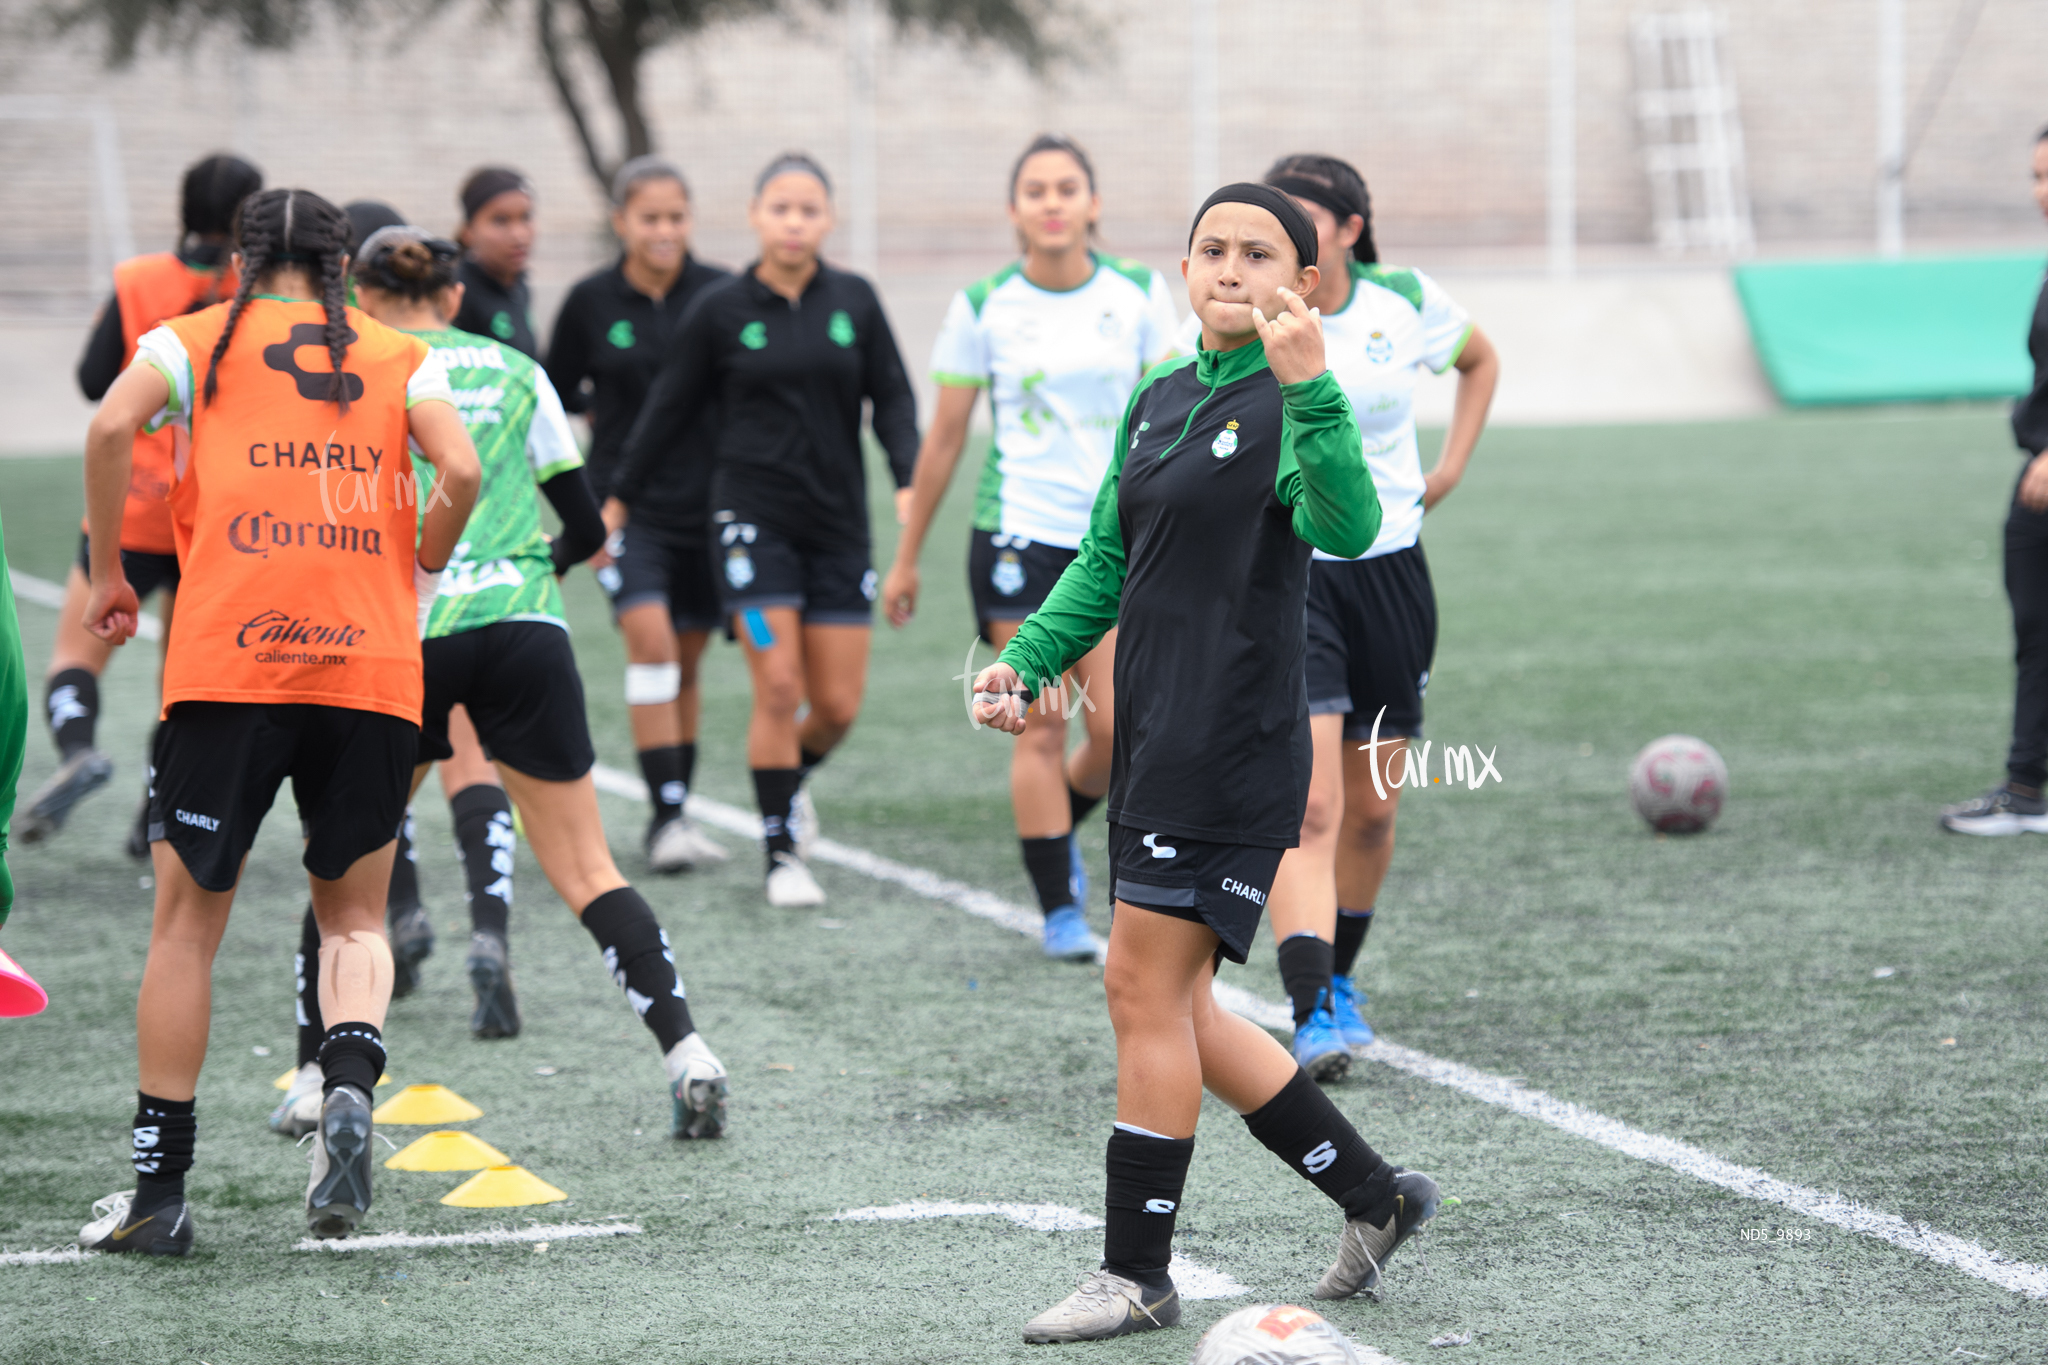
<point x="621" y="334"/>
<point x="1008" y="575"/>
<point x="840" y="328"/>
<point x="1110" y="326"/>
<point x="739" y="567"/>
<point x="1378" y="349"/>
<point x="1225" y="444"/>
<point x="754" y="335"/>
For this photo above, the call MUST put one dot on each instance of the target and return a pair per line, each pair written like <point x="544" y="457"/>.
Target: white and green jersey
<point x="1059" y="366"/>
<point x="1395" y="322"/>
<point x="502" y="571"/>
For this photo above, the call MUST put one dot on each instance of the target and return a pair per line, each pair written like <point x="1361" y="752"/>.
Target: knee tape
<point x="653" y="684"/>
<point x="355" y="977"/>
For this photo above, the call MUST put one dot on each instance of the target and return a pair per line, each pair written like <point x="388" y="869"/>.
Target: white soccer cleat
<point x="697" y="1083"/>
<point x="107" y="1214"/>
<point x="679" y="846"/>
<point x="803" y="823"/>
<point x="298" y="1113"/>
<point x="791" y="885"/>
<point x="1106" y="1305"/>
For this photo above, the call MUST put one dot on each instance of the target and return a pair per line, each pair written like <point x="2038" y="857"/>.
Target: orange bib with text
<point x="296" y="523"/>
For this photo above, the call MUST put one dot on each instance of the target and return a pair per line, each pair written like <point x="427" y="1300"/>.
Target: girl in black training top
<point x="1228" y="466"/>
<point x="789" y="350"/>
<point x="608" y="342"/>
<point x="497" y="238"/>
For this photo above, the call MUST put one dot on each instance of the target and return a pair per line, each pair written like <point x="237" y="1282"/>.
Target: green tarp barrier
<point x="1877" y="331"/>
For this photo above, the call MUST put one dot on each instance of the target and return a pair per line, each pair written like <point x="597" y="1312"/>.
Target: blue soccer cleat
<point x="1077" y="870"/>
<point x="1345" y="998"/>
<point x="1319" y="1048"/>
<point x="1067" y="937"/>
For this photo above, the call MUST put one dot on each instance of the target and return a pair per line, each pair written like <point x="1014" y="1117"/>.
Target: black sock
<point x="637" y="954"/>
<point x="307" y="965"/>
<point x="1304" y="1129"/>
<point x="352" y="1054"/>
<point x="71" y="700"/>
<point x="807" y="762"/>
<point x="1049" y="863"/>
<point x="1146" y="1175"/>
<point x="668" y="782"/>
<point x="165" y="1134"/>
<point x="484" y="839"/>
<point x="405" y="871"/>
<point x="1352" y="927"/>
<point x="1305" y="972"/>
<point x="1080" y="805"/>
<point x="774" y="789"/>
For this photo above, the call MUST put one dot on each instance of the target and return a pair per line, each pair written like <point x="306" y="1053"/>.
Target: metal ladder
<point x="1692" y="139"/>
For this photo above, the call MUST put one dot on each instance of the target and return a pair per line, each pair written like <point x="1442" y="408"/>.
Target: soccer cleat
<point x="78" y="777"/>
<point x="790" y="883"/>
<point x="1067" y="937"/>
<point x="803" y="823"/>
<point x="138" y="834"/>
<point x="490" y="973"/>
<point x="1345" y="998"/>
<point x="412" y="942"/>
<point x="1318" y="1047"/>
<point x="1077" y="870"/>
<point x="165" y="1232"/>
<point x="1363" y="1250"/>
<point x="1998" y="811"/>
<point x="678" y="846"/>
<point x="1106" y="1305"/>
<point x="298" y="1113"/>
<point x="697" y="1084"/>
<point x="338" y="1195"/>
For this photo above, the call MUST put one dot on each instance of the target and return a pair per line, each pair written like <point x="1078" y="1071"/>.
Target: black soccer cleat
<point x="412" y="942"/>
<point x="338" y="1195"/>
<point x="490" y="973"/>
<point x="1363" y="1250"/>
<point x="137" y="843"/>
<point x="165" y="1230"/>
<point x="78" y="777"/>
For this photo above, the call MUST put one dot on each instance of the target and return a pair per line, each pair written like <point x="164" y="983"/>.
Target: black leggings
<point x="2026" y="583"/>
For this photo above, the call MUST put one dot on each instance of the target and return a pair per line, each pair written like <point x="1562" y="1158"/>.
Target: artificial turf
<point x="1816" y="594"/>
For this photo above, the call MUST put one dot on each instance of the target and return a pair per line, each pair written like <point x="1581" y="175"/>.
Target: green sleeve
<point x="13" y="724"/>
<point x="1082" y="606"/>
<point x="1322" y="472"/>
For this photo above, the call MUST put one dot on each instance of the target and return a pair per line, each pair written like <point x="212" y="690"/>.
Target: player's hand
<point x="111" y="612"/>
<point x="1293" y="339"/>
<point x="903" y="501"/>
<point x="899" y="593"/>
<point x="999" y="700"/>
<point x="1436" y="486"/>
<point x="2034" y="485"/>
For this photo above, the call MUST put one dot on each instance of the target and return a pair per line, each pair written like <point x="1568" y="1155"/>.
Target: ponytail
<point x="1337" y="186"/>
<point x="291" y="227"/>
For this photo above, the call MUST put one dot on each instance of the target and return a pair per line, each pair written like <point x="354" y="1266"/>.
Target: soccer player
<point x="1228" y="466"/>
<point x="147" y="290"/>
<point x="1372" y="619"/>
<point x="607" y="344"/>
<point x="1059" y="339"/>
<point x="2018" y="804"/>
<point x="13" y="728"/>
<point x="497" y="239"/>
<point x="307" y="571"/>
<point x="790" y="350"/>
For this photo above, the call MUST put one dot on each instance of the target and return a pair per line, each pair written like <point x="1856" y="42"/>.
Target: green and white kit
<point x="1060" y="366"/>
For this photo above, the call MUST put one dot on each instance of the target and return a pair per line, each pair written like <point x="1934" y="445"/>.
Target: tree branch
<point x="565" y="90"/>
<point x="619" y="40"/>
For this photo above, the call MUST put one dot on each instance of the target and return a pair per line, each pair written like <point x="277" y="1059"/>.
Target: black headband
<point x="1316" y="192"/>
<point x="487" y="185"/>
<point x="1293" y="221"/>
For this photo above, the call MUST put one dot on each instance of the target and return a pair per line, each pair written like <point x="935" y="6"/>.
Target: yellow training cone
<point x="284" y="1082"/>
<point x="426" y="1104"/>
<point x="447" y="1151"/>
<point x="503" y="1187"/>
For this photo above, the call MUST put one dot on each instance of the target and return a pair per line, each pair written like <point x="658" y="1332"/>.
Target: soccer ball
<point x="1275" y="1334"/>
<point x="1677" y="783"/>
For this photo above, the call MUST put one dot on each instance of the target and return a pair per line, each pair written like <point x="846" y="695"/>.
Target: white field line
<point x="489" y="1237"/>
<point x="68" y="1256"/>
<point x="44" y="593"/>
<point x="2021" y="1277"/>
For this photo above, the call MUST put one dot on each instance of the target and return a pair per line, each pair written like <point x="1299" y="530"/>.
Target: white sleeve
<point x="1444" y="325"/>
<point x="1162" y="323"/>
<point x="430" y="381"/>
<point x="550" y="442"/>
<point x="960" y="355"/>
<point x="161" y="350"/>
<point x="1189" y="339"/>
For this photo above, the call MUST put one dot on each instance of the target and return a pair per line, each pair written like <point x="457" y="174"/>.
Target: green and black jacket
<point x="1198" y="552"/>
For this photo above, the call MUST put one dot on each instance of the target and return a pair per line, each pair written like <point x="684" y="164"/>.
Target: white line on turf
<point x="68" y="1256"/>
<point x="1972" y="1258"/>
<point x="556" y="1232"/>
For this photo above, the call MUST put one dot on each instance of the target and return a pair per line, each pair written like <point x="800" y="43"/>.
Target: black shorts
<point x="216" y="767"/>
<point x="762" y="566"/>
<point x="145" y="572"/>
<point x="655" y="563"/>
<point x="1009" y="576"/>
<point x="1371" y="639"/>
<point x="1221" y="885"/>
<point x="525" y="697"/>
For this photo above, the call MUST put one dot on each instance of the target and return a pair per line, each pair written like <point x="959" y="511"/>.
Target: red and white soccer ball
<point x="1677" y="783"/>
<point x="1275" y="1334"/>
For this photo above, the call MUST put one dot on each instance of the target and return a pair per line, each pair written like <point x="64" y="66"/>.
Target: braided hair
<point x="291" y="227"/>
<point x="1337" y="186"/>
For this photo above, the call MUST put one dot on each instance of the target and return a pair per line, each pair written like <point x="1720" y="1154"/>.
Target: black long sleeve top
<point x="492" y="309"/>
<point x="2030" y="414"/>
<point x="790" y="378"/>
